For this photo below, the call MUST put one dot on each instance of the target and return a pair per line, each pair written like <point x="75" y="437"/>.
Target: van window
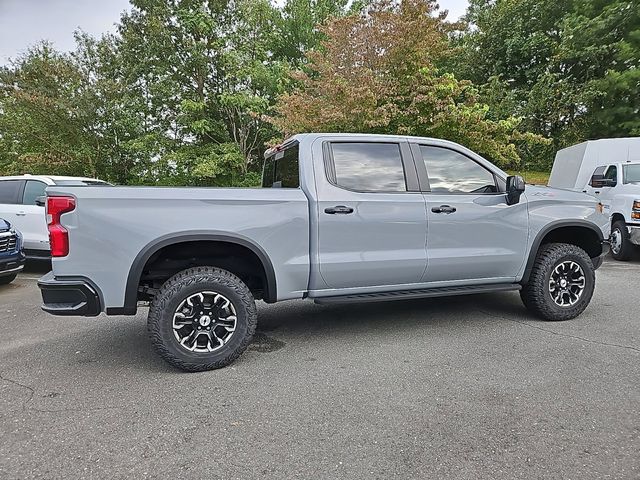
<point x="32" y="190"/>
<point x="10" y="191"/>
<point x="631" y="173"/>
<point x="612" y="173"/>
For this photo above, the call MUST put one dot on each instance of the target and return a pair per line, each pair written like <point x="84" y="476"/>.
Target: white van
<point x="610" y="170"/>
<point x="22" y="206"/>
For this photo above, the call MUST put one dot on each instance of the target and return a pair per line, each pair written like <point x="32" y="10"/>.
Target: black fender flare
<point x="135" y="272"/>
<point x="535" y="246"/>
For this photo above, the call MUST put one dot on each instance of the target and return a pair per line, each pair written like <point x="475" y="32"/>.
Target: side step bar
<point x="423" y="293"/>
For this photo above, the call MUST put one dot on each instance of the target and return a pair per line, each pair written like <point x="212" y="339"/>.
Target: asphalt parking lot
<point x="468" y="387"/>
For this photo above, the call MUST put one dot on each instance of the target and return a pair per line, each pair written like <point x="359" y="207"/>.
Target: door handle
<point x="338" y="210"/>
<point x="444" y="209"/>
<point x="21" y="214"/>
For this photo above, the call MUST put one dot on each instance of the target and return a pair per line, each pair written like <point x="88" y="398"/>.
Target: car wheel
<point x="8" y="279"/>
<point x="202" y="318"/>
<point x="561" y="283"/>
<point x="621" y="246"/>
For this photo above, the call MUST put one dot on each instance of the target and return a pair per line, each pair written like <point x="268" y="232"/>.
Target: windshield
<point x="632" y="173"/>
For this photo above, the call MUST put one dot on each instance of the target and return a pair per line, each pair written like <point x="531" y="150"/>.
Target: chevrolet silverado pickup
<point x="339" y="218"/>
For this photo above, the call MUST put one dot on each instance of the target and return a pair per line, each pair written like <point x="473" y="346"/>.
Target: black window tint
<point x="282" y="169"/>
<point x="32" y="190"/>
<point x="369" y="167"/>
<point x="9" y="191"/>
<point x="452" y="172"/>
<point x="268" y="171"/>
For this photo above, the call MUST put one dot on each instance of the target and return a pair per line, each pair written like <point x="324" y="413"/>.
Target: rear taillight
<point x="58" y="235"/>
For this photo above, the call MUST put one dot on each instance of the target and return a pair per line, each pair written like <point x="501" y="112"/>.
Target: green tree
<point x="47" y="116"/>
<point x="378" y="73"/>
<point x="569" y="69"/>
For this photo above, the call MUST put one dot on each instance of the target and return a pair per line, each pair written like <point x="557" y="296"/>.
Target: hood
<point x="550" y="193"/>
<point x="4" y="225"/>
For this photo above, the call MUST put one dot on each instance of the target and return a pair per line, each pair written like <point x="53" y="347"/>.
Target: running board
<point x="423" y="293"/>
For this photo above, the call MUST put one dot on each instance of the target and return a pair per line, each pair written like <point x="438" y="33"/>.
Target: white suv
<point x="21" y="205"/>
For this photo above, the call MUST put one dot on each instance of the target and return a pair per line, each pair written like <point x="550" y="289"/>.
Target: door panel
<point x="381" y="243"/>
<point x="10" y="208"/>
<point x="33" y="221"/>
<point x="483" y="238"/>
<point x="473" y="234"/>
<point x="370" y="238"/>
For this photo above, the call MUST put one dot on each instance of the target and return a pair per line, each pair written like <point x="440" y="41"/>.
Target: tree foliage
<point x="189" y="92"/>
<point x="378" y="72"/>
<point x="569" y="69"/>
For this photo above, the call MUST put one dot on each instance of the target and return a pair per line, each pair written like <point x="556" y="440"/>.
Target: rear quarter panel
<point x="112" y="225"/>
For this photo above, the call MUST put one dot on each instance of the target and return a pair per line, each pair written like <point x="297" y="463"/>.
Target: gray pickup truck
<point x="340" y="218"/>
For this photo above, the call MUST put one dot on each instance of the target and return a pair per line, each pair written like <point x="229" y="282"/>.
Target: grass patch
<point x="537" y="178"/>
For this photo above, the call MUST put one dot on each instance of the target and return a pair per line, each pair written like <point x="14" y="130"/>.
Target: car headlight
<point x="636" y="205"/>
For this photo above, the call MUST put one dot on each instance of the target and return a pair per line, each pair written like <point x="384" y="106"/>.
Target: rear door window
<point x="10" y="191"/>
<point x="367" y="167"/>
<point x="32" y="190"/>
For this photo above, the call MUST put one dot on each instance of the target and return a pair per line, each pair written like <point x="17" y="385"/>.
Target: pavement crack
<point x="27" y="387"/>
<point x="32" y="393"/>
<point x="566" y="335"/>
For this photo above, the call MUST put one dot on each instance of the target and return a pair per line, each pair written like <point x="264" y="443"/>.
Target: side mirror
<point x="41" y="201"/>
<point x="602" y="182"/>
<point x="515" y="188"/>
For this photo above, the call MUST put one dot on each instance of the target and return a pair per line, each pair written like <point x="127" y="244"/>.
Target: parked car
<point x="11" y="254"/>
<point x="341" y="218"/>
<point x="610" y="170"/>
<point x="20" y="204"/>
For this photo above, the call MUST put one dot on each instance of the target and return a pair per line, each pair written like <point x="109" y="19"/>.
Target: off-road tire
<point x="535" y="293"/>
<point x="626" y="249"/>
<point x="8" y="279"/>
<point x="179" y="287"/>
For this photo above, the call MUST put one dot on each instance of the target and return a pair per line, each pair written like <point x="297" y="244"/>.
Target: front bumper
<point x="597" y="262"/>
<point x="69" y="296"/>
<point x="11" y="264"/>
<point x="634" y="233"/>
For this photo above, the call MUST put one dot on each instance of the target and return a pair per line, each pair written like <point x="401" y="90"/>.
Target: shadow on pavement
<point x="123" y="341"/>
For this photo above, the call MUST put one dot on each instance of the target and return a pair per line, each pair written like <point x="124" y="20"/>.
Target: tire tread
<point x="534" y="294"/>
<point x="172" y="287"/>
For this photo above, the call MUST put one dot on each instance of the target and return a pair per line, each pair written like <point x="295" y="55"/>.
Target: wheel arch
<point x="617" y="216"/>
<point x="581" y="233"/>
<point x="137" y="267"/>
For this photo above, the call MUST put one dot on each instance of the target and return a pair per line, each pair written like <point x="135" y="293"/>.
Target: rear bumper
<point x="69" y="296"/>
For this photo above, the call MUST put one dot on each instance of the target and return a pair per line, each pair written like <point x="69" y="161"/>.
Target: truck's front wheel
<point x="202" y="318"/>
<point x="561" y="283"/>
<point x="621" y="246"/>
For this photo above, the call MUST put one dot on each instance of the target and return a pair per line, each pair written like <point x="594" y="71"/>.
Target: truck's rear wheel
<point x="561" y="283"/>
<point x="202" y="318"/>
<point x="621" y="246"/>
